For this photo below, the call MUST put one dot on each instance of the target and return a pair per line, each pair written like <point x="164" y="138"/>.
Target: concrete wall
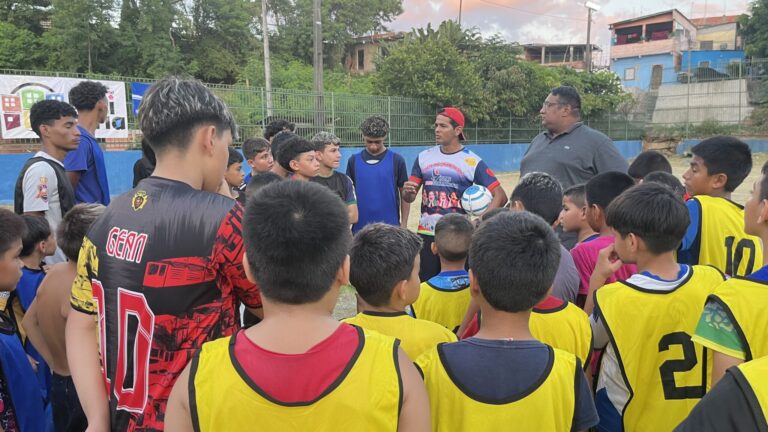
<point x="499" y="157"/>
<point x="643" y="68"/>
<point x="758" y="145"/>
<point x="723" y="101"/>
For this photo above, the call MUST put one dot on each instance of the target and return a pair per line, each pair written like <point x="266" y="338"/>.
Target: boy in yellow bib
<point x="716" y="234"/>
<point x="651" y="374"/>
<point x="298" y="369"/>
<point x="734" y="323"/>
<point x="384" y="263"/>
<point x="444" y="298"/>
<point x="503" y="378"/>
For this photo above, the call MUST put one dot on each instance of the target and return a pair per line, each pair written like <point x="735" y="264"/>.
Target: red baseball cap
<point x="456" y="115"/>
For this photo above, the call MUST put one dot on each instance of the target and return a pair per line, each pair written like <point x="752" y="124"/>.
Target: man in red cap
<point x="446" y="171"/>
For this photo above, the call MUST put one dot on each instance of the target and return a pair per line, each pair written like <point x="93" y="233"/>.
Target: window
<point x="706" y="45"/>
<point x="704" y="64"/>
<point x="629" y="74"/>
<point x="360" y="59"/>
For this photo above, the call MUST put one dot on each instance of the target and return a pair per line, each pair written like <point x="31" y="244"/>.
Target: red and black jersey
<point x="162" y="269"/>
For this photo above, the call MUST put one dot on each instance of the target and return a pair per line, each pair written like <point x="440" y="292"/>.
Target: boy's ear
<point x="342" y="275"/>
<point x="294" y="164"/>
<point x="474" y="288"/>
<point x="634" y="242"/>
<point x="433" y="248"/>
<point x="718" y="181"/>
<point x="247" y="270"/>
<point x="400" y="291"/>
<point x="517" y="205"/>
<point x="762" y="217"/>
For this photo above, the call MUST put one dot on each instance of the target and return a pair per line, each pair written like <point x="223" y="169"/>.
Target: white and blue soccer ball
<point x="476" y="200"/>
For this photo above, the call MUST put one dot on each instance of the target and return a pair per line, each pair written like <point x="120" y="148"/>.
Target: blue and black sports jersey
<point x="162" y="269"/>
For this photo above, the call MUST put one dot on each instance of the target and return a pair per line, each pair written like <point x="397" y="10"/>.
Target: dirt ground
<point x="346" y="304"/>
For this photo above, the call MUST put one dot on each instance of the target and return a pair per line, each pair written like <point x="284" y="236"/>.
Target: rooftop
<point x="715" y="21"/>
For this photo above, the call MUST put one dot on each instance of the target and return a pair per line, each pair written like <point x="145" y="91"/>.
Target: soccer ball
<point x="476" y="200"/>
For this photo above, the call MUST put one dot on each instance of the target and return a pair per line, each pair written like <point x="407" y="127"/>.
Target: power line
<point x="529" y="12"/>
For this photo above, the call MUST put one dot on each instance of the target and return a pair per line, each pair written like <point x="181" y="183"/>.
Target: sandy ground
<point x="346" y="304"/>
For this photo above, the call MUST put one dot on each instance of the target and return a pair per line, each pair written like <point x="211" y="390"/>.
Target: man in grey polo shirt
<point x="569" y="150"/>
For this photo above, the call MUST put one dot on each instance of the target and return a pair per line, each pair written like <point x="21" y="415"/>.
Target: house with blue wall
<point x="659" y="49"/>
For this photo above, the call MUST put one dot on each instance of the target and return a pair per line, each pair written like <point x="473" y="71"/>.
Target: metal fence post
<point x="333" y="113"/>
<point x="510" y="129"/>
<point x="740" y="96"/>
<point x="263" y="111"/>
<point x="389" y="120"/>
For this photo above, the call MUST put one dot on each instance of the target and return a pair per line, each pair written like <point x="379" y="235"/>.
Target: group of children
<point x="35" y="307"/>
<point x="630" y="330"/>
<point x="662" y="319"/>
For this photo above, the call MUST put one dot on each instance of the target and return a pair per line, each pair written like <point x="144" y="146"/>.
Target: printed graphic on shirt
<point x="42" y="189"/>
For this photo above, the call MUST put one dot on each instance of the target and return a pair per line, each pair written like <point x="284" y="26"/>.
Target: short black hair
<point x="381" y="256"/>
<point x="38" y="230"/>
<point x="278" y="141"/>
<point x="260" y="180"/>
<point x="374" y="127"/>
<point x="515" y="256"/>
<point x="725" y="155"/>
<point x="173" y="108"/>
<point x="276" y="126"/>
<point x="74" y="226"/>
<point x="291" y="149"/>
<point x="254" y="146"/>
<point x="12" y="228"/>
<point x="234" y="157"/>
<point x="48" y="111"/>
<point x="86" y="94"/>
<point x="603" y="188"/>
<point x="577" y="194"/>
<point x="568" y="95"/>
<point x="652" y="212"/>
<point x="540" y="194"/>
<point x="296" y="237"/>
<point x="666" y="179"/>
<point x="648" y="162"/>
<point x="453" y="235"/>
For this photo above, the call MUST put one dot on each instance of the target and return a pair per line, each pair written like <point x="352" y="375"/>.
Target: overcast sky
<point x="550" y="21"/>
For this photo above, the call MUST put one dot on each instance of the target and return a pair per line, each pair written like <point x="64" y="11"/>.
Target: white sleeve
<point x="599" y="333"/>
<point x="39" y="181"/>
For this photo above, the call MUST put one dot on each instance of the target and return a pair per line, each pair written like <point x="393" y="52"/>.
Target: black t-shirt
<point x="340" y="184"/>
<point x="731" y="405"/>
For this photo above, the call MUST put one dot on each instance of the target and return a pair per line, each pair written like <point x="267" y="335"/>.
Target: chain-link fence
<point x="694" y="97"/>
<point x="704" y="94"/>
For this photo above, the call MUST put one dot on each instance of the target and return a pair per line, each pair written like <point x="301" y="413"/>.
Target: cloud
<point x="548" y="21"/>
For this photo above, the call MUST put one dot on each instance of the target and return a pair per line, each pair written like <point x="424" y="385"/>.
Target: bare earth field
<point x="346" y="304"/>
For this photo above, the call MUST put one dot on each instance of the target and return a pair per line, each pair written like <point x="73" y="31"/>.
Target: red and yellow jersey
<point x="161" y="271"/>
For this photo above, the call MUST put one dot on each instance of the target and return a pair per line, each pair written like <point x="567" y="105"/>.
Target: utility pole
<point x="318" y="63"/>
<point x="460" y="4"/>
<point x="588" y="52"/>
<point x="267" y="65"/>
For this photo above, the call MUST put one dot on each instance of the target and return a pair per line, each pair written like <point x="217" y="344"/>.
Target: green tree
<point x="26" y="14"/>
<point x="81" y="34"/>
<point x="221" y="39"/>
<point x="342" y="21"/>
<point x="754" y="28"/>
<point x="432" y="70"/>
<point x="160" y="31"/>
<point x="20" y="48"/>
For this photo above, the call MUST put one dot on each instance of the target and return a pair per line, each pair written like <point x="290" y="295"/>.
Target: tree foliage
<point x="486" y="77"/>
<point x="754" y="28"/>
